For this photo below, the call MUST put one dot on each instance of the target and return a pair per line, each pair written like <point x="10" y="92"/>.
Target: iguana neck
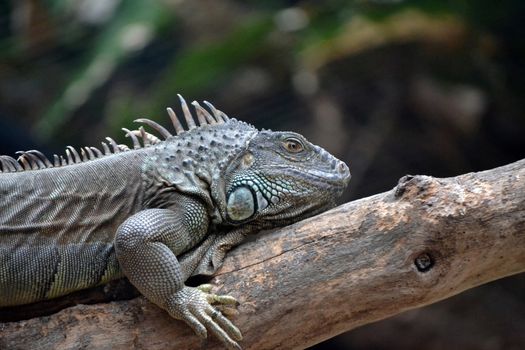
<point x="194" y="163"/>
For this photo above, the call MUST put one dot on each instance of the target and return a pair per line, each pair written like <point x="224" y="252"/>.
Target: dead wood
<point x="423" y="241"/>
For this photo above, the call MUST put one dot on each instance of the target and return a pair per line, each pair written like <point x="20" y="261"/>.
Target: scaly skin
<point x="157" y="214"/>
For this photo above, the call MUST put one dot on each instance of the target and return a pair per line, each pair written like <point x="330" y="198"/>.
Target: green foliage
<point x="109" y="50"/>
<point x="99" y="52"/>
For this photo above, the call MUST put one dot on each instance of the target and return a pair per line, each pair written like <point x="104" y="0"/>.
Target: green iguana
<point x="167" y="209"/>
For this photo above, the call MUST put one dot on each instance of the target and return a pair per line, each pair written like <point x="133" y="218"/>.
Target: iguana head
<point x="279" y="178"/>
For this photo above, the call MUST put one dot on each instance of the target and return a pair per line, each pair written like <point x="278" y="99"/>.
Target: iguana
<point x="164" y="210"/>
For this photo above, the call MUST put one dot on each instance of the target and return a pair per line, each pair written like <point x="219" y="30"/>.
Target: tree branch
<point x="425" y="240"/>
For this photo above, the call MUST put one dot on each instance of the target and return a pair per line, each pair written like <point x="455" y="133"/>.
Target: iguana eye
<point x="293" y="145"/>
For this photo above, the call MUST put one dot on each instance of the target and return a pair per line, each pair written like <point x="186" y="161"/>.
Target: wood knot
<point x="424" y="262"/>
<point x="402" y="185"/>
<point x="415" y="184"/>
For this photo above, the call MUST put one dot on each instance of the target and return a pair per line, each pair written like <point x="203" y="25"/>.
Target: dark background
<point x="391" y="87"/>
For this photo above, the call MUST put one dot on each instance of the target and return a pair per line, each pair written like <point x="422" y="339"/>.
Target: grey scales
<point x="157" y="212"/>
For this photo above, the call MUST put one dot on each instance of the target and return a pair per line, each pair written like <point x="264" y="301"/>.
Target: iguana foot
<point x="194" y="306"/>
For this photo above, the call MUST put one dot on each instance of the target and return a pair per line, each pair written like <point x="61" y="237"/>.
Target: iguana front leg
<point x="147" y="245"/>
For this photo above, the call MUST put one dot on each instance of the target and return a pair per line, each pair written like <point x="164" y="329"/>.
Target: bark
<point x="425" y="240"/>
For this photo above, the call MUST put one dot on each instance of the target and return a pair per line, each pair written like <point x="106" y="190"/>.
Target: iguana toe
<point x="206" y="288"/>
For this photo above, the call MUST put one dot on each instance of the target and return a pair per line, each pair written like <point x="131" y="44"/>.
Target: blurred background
<point x="392" y="87"/>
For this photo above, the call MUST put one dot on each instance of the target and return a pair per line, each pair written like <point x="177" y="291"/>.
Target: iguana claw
<point x="217" y="299"/>
<point x="194" y="306"/>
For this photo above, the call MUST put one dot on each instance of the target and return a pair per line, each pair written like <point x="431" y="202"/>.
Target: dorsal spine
<point x="35" y="160"/>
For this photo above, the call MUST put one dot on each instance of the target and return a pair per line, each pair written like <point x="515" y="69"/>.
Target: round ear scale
<point x="241" y="204"/>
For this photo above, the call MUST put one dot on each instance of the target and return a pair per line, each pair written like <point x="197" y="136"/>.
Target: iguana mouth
<point x="337" y="180"/>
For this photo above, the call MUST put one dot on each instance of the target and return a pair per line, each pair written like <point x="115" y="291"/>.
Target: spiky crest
<point x="35" y="160"/>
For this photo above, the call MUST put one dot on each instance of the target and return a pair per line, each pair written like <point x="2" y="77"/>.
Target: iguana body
<point x="156" y="214"/>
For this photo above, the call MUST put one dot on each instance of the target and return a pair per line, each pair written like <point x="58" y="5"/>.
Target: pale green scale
<point x="241" y="204"/>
